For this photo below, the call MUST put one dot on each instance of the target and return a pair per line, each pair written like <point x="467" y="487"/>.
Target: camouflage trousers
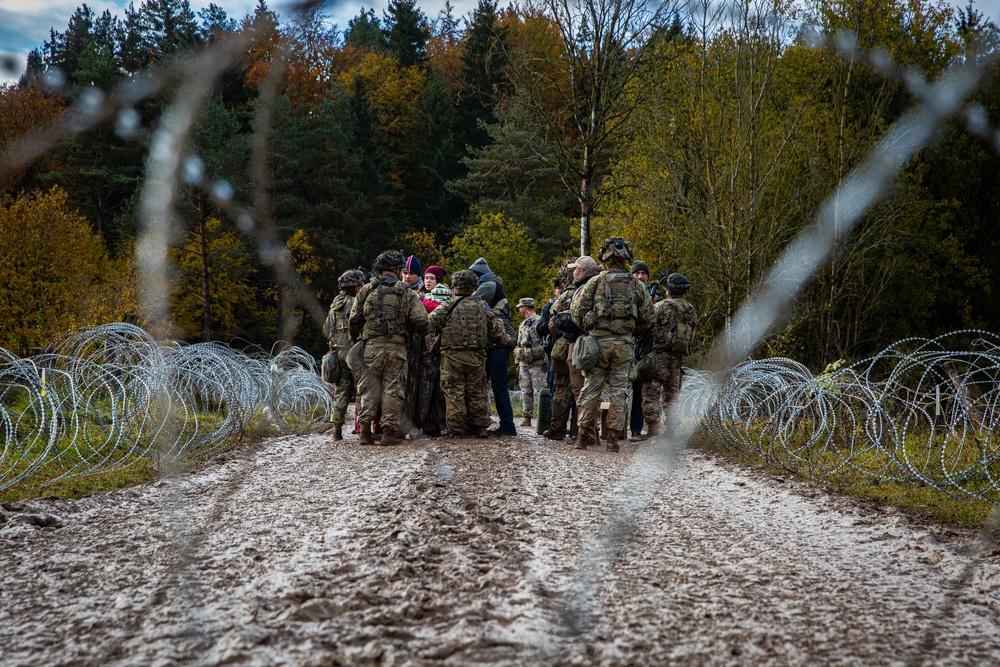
<point x="562" y="402"/>
<point x="383" y="385"/>
<point x="464" y="385"/>
<point x="613" y="369"/>
<point x="667" y="379"/>
<point x="532" y="378"/>
<point x="343" y="392"/>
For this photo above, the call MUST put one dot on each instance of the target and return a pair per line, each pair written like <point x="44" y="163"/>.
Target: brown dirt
<point x="301" y="551"/>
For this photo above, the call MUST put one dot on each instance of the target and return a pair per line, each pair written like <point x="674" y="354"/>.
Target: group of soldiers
<point x="407" y="353"/>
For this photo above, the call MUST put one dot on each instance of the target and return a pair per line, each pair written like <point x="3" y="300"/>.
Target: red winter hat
<point x="437" y="271"/>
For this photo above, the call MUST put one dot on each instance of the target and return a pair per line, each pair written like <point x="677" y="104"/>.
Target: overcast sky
<point x="24" y="24"/>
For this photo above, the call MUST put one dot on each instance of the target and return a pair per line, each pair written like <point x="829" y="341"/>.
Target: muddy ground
<point x="302" y="551"/>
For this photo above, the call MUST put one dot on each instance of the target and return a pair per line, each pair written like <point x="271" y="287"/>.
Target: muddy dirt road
<point x="300" y="551"/>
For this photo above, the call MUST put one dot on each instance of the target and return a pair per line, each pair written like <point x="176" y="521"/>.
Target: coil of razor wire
<point x="921" y="412"/>
<point x="105" y="397"/>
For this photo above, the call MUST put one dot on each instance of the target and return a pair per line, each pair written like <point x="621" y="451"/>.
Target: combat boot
<point x="338" y="431"/>
<point x="366" y="435"/>
<point x="585" y="438"/>
<point x="553" y="434"/>
<point x="480" y="432"/>
<point x="526" y="421"/>
<point x="390" y="439"/>
<point x="611" y="441"/>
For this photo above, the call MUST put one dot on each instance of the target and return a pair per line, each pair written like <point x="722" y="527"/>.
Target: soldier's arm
<point x="327" y="324"/>
<point x="419" y="322"/>
<point x="498" y="334"/>
<point x="583" y="303"/>
<point x="644" y="308"/>
<point x="438" y="316"/>
<point x="357" y="319"/>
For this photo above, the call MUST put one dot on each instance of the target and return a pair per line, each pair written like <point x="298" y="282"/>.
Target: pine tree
<point x="364" y="32"/>
<point x="406" y="32"/>
<point x="484" y="75"/>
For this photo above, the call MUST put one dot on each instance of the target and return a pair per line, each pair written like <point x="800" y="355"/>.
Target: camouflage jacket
<point x="386" y="309"/>
<point x="467" y="323"/>
<point x="530" y="349"/>
<point x="612" y="303"/>
<point x="336" y="328"/>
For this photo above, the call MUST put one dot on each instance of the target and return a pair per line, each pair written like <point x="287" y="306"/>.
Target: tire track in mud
<point x="307" y="552"/>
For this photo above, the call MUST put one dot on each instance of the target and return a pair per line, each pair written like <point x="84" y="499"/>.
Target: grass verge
<point x="914" y="498"/>
<point x="130" y="473"/>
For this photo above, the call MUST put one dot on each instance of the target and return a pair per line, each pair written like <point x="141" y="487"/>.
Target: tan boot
<point x="526" y="421"/>
<point x="365" y="438"/>
<point x="338" y="431"/>
<point x="585" y="438"/>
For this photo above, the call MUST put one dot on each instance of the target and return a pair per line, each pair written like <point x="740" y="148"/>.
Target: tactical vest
<point x="675" y="326"/>
<point x="383" y="309"/>
<point x="529" y="342"/>
<point x="614" y="298"/>
<point x="337" y="322"/>
<point x="467" y="326"/>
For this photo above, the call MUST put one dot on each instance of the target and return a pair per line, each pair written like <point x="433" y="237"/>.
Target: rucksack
<point x="680" y="336"/>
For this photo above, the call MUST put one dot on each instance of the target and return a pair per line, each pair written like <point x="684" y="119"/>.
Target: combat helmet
<point x="464" y="281"/>
<point x="615" y="250"/>
<point x="677" y="284"/>
<point x="388" y="260"/>
<point x="351" y="278"/>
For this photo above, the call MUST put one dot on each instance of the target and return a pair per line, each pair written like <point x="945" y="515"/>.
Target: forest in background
<point x="708" y="136"/>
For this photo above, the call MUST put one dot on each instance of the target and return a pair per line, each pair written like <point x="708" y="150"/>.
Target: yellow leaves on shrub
<point x="55" y="274"/>
<point x="510" y="252"/>
<point x="425" y="247"/>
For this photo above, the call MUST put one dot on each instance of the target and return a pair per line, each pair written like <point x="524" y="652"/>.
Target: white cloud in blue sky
<point x="24" y="24"/>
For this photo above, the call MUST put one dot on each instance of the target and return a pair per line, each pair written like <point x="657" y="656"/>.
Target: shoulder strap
<point x="453" y="307"/>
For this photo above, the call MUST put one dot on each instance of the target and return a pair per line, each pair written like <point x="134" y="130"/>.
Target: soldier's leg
<point x="527" y="391"/>
<point x="575" y="378"/>
<point x="392" y="369"/>
<point x="477" y="402"/>
<point x="590" y="396"/>
<point x="636" y="416"/>
<point x="369" y="390"/>
<point x="342" y="396"/>
<point x="672" y="386"/>
<point x="621" y="358"/>
<point x="651" y="410"/>
<point x="562" y="398"/>
<point x="453" y="389"/>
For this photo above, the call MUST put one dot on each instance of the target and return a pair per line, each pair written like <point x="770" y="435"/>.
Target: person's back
<point x="610" y="307"/>
<point x="385" y="313"/>
<point x="467" y="328"/>
<point x="338" y="333"/>
<point x="672" y="334"/>
<point x="490" y="289"/>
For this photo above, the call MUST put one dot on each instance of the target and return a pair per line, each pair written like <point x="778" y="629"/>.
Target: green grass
<point x="127" y="469"/>
<point x="861" y="479"/>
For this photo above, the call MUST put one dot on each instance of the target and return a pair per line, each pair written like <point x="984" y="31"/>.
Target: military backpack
<point x="677" y="325"/>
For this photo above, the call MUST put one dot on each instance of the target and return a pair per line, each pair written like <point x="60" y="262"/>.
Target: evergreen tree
<point x="484" y="75"/>
<point x="169" y="26"/>
<point x="214" y="21"/>
<point x="406" y="32"/>
<point x="364" y="32"/>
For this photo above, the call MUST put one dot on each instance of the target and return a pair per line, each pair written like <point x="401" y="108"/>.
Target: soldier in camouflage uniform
<point x="673" y="328"/>
<point x="610" y="307"/>
<point x="467" y="326"/>
<point x="567" y="389"/>
<point x="338" y="334"/>
<point x="385" y="314"/>
<point x="530" y="356"/>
